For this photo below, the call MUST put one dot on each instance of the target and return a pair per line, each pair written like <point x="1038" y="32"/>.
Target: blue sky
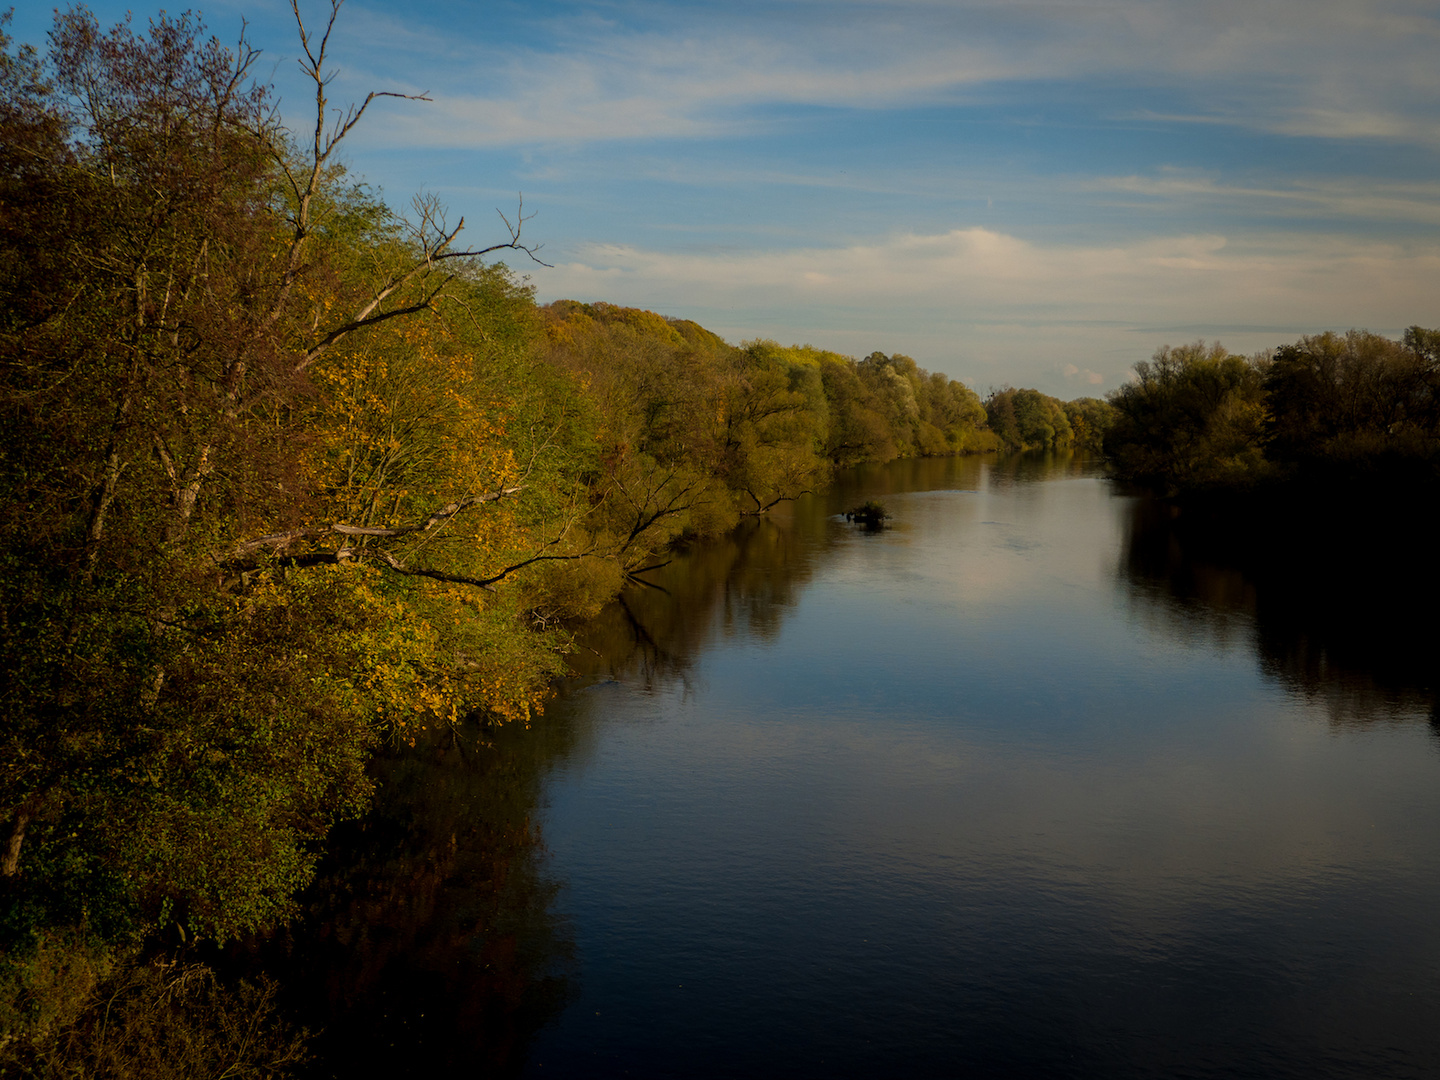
<point x="1037" y="194"/>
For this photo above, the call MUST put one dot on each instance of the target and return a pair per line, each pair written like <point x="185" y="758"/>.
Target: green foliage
<point x="286" y="476"/>
<point x="693" y="433"/>
<point x="1425" y="344"/>
<point x="1090" y="418"/>
<point x="203" y="376"/>
<point x="574" y="592"/>
<point x="858" y="430"/>
<point x="185" y="772"/>
<point x="883" y="407"/>
<point x="1193" y="417"/>
<point x="658" y="399"/>
<point x="1028" y="420"/>
<point x="1355" y="397"/>
<point x="1325" y="407"/>
<point x="45" y="985"/>
<point x="774" y="419"/>
<point x="147" y="1021"/>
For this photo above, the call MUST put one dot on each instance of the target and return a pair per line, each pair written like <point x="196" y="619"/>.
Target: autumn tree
<point x="953" y="419"/>
<point x="659" y="396"/>
<point x="858" y="430"/>
<point x="192" y="674"/>
<point x="124" y="360"/>
<point x="1090" y="418"/>
<point x="773" y="424"/>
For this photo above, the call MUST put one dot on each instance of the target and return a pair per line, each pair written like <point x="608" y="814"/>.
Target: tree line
<point x="288" y="475"/>
<point x="1329" y="408"/>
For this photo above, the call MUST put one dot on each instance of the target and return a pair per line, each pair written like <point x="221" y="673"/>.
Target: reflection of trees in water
<point x="429" y="942"/>
<point x="1177" y="593"/>
<point x="1337" y="603"/>
<point x="746" y="581"/>
<point x="741" y="583"/>
<point x="968" y="473"/>
<point x="1037" y="467"/>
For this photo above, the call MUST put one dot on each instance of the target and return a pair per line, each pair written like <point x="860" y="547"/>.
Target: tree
<point x="858" y="430"/>
<point x="1359" y="396"/>
<point x="1193" y="416"/>
<point x="658" y="389"/>
<point x="773" y="419"/>
<point x="1028" y="419"/>
<point x="192" y="676"/>
<point x="952" y="416"/>
<point x="1424" y="343"/>
<point x="1090" y="418"/>
<point x="123" y="369"/>
<point x="892" y="382"/>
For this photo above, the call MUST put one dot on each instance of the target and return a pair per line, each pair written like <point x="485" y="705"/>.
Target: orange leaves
<point x="405" y="425"/>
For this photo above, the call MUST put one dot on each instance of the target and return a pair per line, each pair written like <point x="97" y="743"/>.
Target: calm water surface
<point x="1011" y="787"/>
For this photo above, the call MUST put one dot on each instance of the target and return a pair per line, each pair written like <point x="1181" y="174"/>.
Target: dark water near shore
<point x="1029" y="783"/>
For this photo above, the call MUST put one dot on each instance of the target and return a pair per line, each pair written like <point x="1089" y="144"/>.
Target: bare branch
<point x="322" y="147"/>
<point x="763" y="508"/>
<point x="463" y="579"/>
<point x="513" y="243"/>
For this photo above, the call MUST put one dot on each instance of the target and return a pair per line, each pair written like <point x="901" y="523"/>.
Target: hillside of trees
<point x="287" y="477"/>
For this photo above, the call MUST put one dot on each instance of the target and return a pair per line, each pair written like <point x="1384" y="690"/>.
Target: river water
<point x="1029" y="782"/>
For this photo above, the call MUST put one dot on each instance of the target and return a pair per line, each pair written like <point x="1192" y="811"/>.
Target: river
<point x="1028" y="782"/>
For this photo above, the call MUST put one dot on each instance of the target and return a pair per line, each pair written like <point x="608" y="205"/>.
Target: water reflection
<point x="944" y="800"/>
<point x="429" y="944"/>
<point x="993" y="790"/>
<point x="745" y="582"/>
<point x="742" y="582"/>
<point x="1339" y="618"/>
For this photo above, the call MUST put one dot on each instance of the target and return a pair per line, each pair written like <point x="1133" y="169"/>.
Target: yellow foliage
<point x="405" y="425"/>
<point x="800" y="355"/>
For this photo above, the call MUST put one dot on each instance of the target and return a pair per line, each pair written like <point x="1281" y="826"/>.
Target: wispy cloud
<point x="992" y="274"/>
<point x="1358" y="199"/>
<point x="1328" y="68"/>
<point x="966" y="291"/>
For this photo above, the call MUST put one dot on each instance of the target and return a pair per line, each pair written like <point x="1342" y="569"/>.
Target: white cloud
<point x="1082" y="375"/>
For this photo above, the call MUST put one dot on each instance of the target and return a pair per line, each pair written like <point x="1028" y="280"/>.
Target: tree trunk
<point x="11" y="866"/>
